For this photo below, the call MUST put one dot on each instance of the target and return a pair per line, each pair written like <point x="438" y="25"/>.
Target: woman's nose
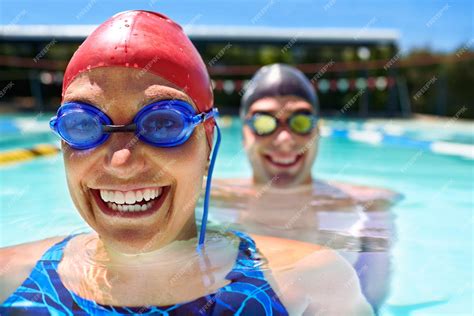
<point x="123" y="158"/>
<point x="120" y="157"/>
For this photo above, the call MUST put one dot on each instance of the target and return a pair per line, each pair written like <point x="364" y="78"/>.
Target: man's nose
<point x="284" y="139"/>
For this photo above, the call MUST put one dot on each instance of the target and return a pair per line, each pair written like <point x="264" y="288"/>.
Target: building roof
<point x="217" y="33"/>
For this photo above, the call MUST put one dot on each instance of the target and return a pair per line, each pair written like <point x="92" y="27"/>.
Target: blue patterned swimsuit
<point x="248" y="293"/>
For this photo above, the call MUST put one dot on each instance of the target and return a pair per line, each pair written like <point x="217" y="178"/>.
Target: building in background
<point x="356" y="71"/>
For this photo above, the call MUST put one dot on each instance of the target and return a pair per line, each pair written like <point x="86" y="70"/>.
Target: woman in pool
<point x="136" y="124"/>
<point x="280" y="131"/>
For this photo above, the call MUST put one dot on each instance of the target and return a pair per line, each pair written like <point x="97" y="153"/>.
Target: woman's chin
<point x="133" y="233"/>
<point x="130" y="241"/>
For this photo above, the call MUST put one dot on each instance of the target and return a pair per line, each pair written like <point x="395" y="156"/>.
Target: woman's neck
<point x="157" y="247"/>
<point x="167" y="254"/>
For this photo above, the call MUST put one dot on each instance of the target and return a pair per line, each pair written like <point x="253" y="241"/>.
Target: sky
<point x="440" y="25"/>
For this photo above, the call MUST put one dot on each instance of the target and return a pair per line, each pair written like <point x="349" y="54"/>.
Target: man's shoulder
<point x="281" y="252"/>
<point x="372" y="196"/>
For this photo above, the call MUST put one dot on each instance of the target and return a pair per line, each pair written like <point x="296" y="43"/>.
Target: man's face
<point x="283" y="158"/>
<point x="124" y="169"/>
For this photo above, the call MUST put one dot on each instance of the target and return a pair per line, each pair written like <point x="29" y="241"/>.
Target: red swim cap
<point x="152" y="42"/>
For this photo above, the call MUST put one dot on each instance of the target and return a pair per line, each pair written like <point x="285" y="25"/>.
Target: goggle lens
<point x="161" y="126"/>
<point x="301" y="123"/>
<point x="264" y="124"/>
<point x="80" y="127"/>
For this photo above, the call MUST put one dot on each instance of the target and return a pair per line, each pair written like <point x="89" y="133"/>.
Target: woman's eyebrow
<point x="165" y="96"/>
<point x="83" y="99"/>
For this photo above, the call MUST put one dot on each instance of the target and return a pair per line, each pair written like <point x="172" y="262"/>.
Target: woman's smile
<point x="131" y="203"/>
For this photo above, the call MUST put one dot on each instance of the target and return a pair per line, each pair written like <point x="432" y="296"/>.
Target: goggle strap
<point x="202" y="117"/>
<point x="52" y="123"/>
<point x="213" y="113"/>
<point x="202" y="235"/>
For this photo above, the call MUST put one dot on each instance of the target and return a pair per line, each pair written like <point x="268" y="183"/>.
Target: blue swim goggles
<point x="166" y="123"/>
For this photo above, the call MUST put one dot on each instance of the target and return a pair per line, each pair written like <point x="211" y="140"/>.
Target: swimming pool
<point x="432" y="257"/>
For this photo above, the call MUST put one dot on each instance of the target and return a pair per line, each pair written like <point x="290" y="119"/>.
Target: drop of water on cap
<point x="88" y="67"/>
<point x="127" y="64"/>
<point x="135" y="65"/>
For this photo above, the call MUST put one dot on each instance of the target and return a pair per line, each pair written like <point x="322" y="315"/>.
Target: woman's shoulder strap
<point x="55" y="252"/>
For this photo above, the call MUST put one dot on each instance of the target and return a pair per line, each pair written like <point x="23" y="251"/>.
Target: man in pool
<point x="136" y="124"/>
<point x="279" y="111"/>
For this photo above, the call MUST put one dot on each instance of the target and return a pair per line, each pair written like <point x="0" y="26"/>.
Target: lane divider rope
<point x="377" y="137"/>
<point x="23" y="154"/>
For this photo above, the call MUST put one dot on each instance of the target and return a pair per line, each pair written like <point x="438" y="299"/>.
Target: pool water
<point x="432" y="256"/>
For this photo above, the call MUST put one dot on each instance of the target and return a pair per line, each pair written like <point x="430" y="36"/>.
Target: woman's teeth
<point x="129" y="208"/>
<point x="131" y="201"/>
<point x="130" y="197"/>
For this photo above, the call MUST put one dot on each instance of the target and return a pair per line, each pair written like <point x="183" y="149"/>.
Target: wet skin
<point x="144" y="254"/>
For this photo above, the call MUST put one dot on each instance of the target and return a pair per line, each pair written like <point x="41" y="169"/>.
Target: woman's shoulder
<point x="17" y="262"/>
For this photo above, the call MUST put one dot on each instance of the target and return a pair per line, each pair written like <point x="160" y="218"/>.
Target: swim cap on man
<point x="278" y="80"/>
<point x="151" y="42"/>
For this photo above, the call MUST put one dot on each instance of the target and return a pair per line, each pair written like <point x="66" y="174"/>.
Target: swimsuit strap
<point x="249" y="283"/>
<point x="55" y="253"/>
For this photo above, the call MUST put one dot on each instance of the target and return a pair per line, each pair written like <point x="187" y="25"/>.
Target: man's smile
<point x="283" y="161"/>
